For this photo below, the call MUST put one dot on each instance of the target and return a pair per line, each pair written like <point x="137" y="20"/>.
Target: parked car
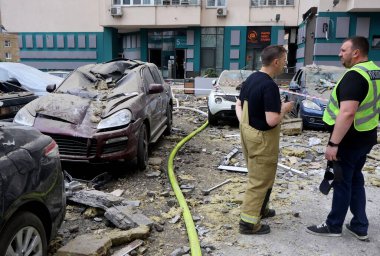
<point x="32" y="198"/>
<point x="12" y="99"/>
<point x="104" y="112"/>
<point x="27" y="77"/>
<point x="221" y="101"/>
<point x="310" y="89"/>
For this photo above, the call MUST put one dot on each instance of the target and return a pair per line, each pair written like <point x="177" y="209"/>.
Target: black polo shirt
<point x="263" y="95"/>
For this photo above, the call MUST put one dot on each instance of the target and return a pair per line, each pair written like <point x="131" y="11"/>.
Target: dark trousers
<point x="350" y="192"/>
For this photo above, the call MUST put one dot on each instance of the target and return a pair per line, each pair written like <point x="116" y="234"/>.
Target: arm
<point x="238" y="109"/>
<point x="343" y="123"/>
<point x="274" y="118"/>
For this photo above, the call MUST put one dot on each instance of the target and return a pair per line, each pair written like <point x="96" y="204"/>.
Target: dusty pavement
<point x="296" y="199"/>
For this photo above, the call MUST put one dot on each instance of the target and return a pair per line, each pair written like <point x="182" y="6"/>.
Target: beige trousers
<point x="260" y="149"/>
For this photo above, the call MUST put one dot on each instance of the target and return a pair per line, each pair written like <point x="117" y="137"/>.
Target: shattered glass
<point x="233" y="78"/>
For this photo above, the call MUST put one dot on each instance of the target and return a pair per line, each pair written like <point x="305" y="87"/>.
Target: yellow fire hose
<point x="190" y="227"/>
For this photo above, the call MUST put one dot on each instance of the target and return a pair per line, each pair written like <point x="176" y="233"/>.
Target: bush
<point x="210" y="72"/>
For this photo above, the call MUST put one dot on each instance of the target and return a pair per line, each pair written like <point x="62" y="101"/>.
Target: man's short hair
<point x="359" y="42"/>
<point x="270" y="53"/>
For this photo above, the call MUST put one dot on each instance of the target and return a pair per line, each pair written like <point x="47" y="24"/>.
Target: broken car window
<point x="233" y="78"/>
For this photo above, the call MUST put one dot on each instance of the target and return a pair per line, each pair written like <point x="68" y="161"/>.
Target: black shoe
<point x="253" y="229"/>
<point x="358" y="235"/>
<point x="321" y="230"/>
<point x="268" y="214"/>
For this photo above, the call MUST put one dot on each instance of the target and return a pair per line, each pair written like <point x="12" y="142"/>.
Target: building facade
<point x="184" y="38"/>
<point x="325" y="26"/>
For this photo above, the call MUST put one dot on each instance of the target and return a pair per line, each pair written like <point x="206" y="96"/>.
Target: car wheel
<point x="24" y="234"/>
<point x="142" y="149"/>
<point x="169" y="120"/>
<point x="212" y="120"/>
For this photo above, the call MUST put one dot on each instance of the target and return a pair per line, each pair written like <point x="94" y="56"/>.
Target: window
<point x="8" y="56"/>
<point x="134" y="2"/>
<point x="212" y="49"/>
<point x="7" y="43"/>
<point x="376" y="42"/>
<point x="257" y="3"/>
<point x="216" y="3"/>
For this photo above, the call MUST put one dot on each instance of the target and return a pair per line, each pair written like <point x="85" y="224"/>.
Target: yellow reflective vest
<point x="367" y="116"/>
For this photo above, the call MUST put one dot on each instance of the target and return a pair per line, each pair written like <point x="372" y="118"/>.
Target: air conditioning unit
<point x="221" y="12"/>
<point x="116" y="11"/>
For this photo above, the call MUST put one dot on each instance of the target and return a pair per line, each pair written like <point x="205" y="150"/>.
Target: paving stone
<point x="86" y="245"/>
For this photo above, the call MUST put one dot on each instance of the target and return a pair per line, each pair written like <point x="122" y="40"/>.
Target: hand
<point x="286" y="107"/>
<point x="330" y="153"/>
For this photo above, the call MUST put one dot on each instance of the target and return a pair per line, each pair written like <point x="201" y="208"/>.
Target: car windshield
<point x="100" y="81"/>
<point x="233" y="78"/>
<point x="320" y="81"/>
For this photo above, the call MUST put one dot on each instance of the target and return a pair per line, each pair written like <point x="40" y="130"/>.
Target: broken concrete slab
<point x="86" y="245"/>
<point x="95" y="198"/>
<point x="124" y="218"/>
<point x="119" y="237"/>
<point x="117" y="192"/>
<point x="292" y="126"/>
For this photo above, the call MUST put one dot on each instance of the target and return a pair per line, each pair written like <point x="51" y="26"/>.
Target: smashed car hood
<point x="228" y="90"/>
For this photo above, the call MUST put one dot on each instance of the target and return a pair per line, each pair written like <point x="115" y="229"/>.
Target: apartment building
<point x="184" y="37"/>
<point x="9" y="50"/>
<point x="325" y="26"/>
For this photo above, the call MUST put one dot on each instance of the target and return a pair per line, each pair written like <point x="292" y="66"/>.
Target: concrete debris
<point x="92" y="212"/>
<point x="135" y="203"/>
<point x="86" y="245"/>
<point x="175" y="219"/>
<point x="314" y="141"/>
<point x="124" y="218"/>
<point x="130" y="247"/>
<point x="292" y="126"/>
<point x="153" y="174"/>
<point x="226" y="159"/>
<point x="155" y="161"/>
<point x="117" y="192"/>
<point x="119" y="237"/>
<point x="95" y="198"/>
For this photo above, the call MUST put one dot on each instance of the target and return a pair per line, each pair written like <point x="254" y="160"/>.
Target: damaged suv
<point x="104" y="112"/>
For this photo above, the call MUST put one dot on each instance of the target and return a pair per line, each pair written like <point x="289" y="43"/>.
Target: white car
<point x="222" y="99"/>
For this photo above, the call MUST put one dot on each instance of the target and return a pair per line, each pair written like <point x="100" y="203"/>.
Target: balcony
<point x="363" y="6"/>
<point x="131" y="14"/>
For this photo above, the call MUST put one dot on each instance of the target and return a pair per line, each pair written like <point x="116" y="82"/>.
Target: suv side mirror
<point x="51" y="88"/>
<point x="156" y="88"/>
<point x="294" y="86"/>
<point x="213" y="82"/>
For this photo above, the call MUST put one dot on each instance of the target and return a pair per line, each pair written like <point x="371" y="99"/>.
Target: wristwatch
<point x="332" y="144"/>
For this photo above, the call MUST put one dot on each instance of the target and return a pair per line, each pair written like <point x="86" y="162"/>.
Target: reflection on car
<point x="221" y="101"/>
<point x="310" y="89"/>
<point x="104" y="112"/>
<point x="59" y="73"/>
<point x="32" y="198"/>
<point x="27" y="77"/>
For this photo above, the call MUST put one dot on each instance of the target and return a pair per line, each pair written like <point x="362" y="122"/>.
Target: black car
<point x="12" y="98"/>
<point x="32" y="198"/>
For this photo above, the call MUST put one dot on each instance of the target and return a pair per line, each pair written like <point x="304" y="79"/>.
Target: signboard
<point x="259" y="36"/>
<point x="180" y="42"/>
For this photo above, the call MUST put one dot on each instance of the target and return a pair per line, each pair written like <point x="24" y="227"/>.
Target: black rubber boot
<point x="253" y="229"/>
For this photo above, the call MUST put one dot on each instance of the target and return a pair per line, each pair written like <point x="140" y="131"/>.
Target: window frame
<point x="216" y="4"/>
<point x="8" y="55"/>
<point x="258" y="3"/>
<point x="7" y="43"/>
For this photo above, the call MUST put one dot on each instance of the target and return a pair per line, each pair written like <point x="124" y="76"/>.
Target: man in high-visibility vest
<point x="352" y="115"/>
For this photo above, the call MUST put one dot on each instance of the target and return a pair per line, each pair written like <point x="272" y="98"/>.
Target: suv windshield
<point x="97" y="81"/>
<point x="320" y="81"/>
<point x="233" y="78"/>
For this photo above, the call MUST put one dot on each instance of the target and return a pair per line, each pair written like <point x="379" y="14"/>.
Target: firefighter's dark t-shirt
<point x="263" y="95"/>
<point x="354" y="86"/>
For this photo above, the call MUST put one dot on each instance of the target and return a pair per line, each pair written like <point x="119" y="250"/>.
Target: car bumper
<point x="101" y="147"/>
<point x="312" y="118"/>
<point x="224" y="108"/>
